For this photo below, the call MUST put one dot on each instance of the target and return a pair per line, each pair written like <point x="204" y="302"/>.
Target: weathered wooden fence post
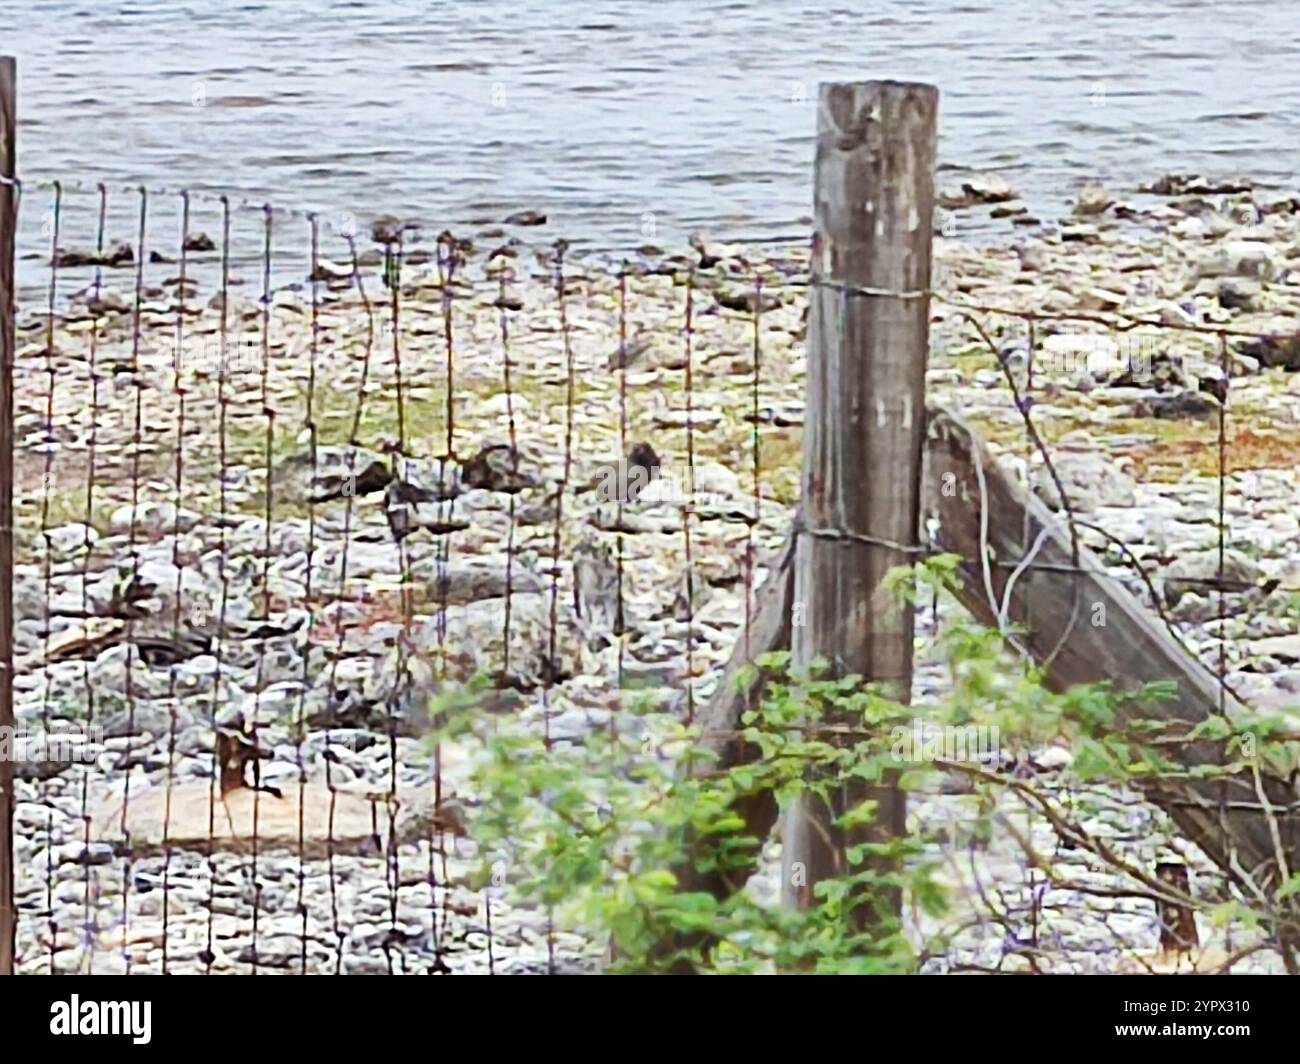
<point x="8" y="297"/>
<point x="864" y="423"/>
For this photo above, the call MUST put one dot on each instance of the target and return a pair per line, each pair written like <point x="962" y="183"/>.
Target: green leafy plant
<point x="598" y="831"/>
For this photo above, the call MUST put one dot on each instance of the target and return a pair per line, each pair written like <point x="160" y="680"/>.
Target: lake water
<point x="626" y="121"/>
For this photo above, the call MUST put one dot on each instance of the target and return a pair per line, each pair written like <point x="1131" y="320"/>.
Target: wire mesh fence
<point x="261" y="526"/>
<point x="280" y="486"/>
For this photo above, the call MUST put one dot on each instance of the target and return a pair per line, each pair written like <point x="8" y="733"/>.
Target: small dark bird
<point x="707" y="258"/>
<point x="497" y="467"/>
<point x="402" y="498"/>
<point x="453" y="250"/>
<point x="508" y="250"/>
<point x="642" y="457"/>
<point x="406" y="510"/>
<point x="1216" y="386"/>
<point x="127" y="597"/>
<point x="388" y="230"/>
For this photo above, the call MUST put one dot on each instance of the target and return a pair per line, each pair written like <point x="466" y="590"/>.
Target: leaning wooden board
<point x="1132" y="649"/>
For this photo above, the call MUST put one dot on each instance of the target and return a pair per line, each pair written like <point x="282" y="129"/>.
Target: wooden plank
<point x="1131" y="649"/>
<point x="863" y="427"/>
<point x="719" y="719"/>
<point x="192" y="816"/>
<point x="8" y="297"/>
<point x="1086" y="628"/>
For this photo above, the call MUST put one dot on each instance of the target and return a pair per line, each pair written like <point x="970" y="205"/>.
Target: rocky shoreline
<point x="146" y="609"/>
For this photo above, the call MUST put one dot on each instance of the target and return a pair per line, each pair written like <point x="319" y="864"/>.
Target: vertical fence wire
<point x="505" y="302"/>
<point x="1221" y="665"/>
<point x="505" y="274"/>
<point x="751" y="526"/>
<point x="48" y="445"/>
<point x="268" y="497"/>
<point x="310" y="428"/>
<point x="137" y="444"/>
<point x="223" y="507"/>
<point x="448" y="262"/>
<point x="89" y="930"/>
<point x="620" y="542"/>
<point x="9" y="938"/>
<point x="1026" y="402"/>
<point x="393" y="273"/>
<point x="688" y="509"/>
<point x="341" y="601"/>
<point x="553" y="669"/>
<point x="179" y="392"/>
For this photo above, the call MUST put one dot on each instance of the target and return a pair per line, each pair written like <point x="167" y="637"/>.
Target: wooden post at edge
<point x="8" y="298"/>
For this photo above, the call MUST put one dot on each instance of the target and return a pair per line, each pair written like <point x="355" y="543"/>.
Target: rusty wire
<point x="503" y="306"/>
<point x="179" y="496"/>
<point x="137" y="444"/>
<point x="751" y="556"/>
<point x="449" y="261"/>
<point x="354" y="442"/>
<point x="620" y="609"/>
<point x="268" y="414"/>
<point x="552" y="660"/>
<point x="88" y="688"/>
<point x="310" y="427"/>
<point x="504" y="680"/>
<point x="48" y="446"/>
<point x="393" y="278"/>
<point x="688" y="511"/>
<point x="223" y="414"/>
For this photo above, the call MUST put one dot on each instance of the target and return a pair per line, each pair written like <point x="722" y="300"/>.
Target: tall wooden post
<point x="864" y="423"/>
<point x="8" y="298"/>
